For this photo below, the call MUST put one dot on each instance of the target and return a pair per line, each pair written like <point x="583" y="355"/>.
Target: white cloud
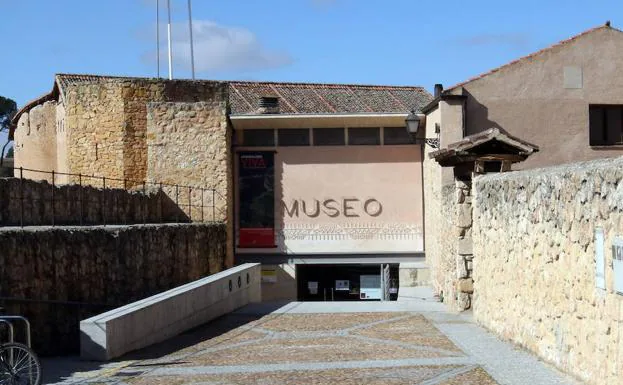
<point x="218" y="48"/>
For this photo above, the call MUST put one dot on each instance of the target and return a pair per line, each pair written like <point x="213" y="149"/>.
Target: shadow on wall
<point x="38" y="203"/>
<point x="477" y="116"/>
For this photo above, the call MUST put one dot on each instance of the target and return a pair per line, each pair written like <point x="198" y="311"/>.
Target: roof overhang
<point x="489" y="145"/>
<point x="244" y="122"/>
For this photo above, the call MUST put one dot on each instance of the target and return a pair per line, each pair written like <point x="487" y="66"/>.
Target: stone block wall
<point x="535" y="264"/>
<point x="189" y="144"/>
<point x="33" y="203"/>
<point x="59" y="276"/>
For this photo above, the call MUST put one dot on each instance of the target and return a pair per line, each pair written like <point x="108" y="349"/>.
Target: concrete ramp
<point x="162" y="316"/>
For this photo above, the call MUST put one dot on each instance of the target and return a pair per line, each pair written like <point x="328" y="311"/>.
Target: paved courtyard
<point x="412" y="342"/>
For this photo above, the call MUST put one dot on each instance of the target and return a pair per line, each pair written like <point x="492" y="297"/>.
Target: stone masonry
<point x="59" y="276"/>
<point x="534" y="266"/>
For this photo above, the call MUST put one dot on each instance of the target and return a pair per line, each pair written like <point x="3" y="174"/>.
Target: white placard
<point x="312" y="286"/>
<point x="600" y="263"/>
<point x="617" y="264"/>
<point x="370" y="287"/>
<point x="342" y="285"/>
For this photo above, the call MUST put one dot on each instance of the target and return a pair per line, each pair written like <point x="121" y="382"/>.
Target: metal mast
<point x="190" y="27"/>
<point x="169" y="40"/>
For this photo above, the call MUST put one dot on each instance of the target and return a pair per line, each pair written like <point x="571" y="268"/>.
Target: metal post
<point x="53" y="205"/>
<point x="332" y="299"/>
<point x="21" y="196"/>
<point x="190" y="208"/>
<point x="169" y="40"/>
<point x="103" y="200"/>
<point x="158" y="38"/>
<point x="81" y="197"/>
<point x="144" y="203"/>
<point x="177" y="206"/>
<point x="192" y="51"/>
<point x="160" y="202"/>
<point x="324" y="294"/>
<point x="202" y="204"/>
<point x="213" y="205"/>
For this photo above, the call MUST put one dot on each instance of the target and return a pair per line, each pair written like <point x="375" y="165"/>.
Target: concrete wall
<point x="165" y="315"/>
<point x="59" y="276"/>
<point x="535" y="264"/>
<point x="35" y="141"/>
<point x="529" y="100"/>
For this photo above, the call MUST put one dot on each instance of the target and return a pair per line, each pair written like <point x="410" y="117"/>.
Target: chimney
<point x="268" y="104"/>
<point x="438" y="90"/>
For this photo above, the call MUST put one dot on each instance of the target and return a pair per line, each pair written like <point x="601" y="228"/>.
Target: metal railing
<point x="158" y="202"/>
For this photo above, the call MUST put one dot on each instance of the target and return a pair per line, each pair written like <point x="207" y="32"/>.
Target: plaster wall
<point x="529" y="100"/>
<point x="534" y="266"/>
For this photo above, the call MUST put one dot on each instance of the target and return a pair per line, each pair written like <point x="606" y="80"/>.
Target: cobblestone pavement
<point x="323" y="344"/>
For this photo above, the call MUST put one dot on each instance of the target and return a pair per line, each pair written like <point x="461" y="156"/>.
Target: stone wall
<point x="534" y="264"/>
<point x="189" y="144"/>
<point x="57" y="277"/>
<point x="33" y="203"/>
<point x="35" y="140"/>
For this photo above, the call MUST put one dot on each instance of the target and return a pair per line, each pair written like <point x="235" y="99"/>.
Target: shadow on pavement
<point x="57" y="369"/>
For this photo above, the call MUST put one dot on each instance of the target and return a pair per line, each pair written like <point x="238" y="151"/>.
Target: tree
<point x="8" y="108"/>
<point x="9" y="154"/>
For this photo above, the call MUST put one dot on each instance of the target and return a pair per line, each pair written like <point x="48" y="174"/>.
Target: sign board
<point x="370" y="287"/>
<point x="353" y="199"/>
<point x="312" y="286"/>
<point x="269" y="276"/>
<point x="600" y="262"/>
<point x="342" y="285"/>
<point x="617" y="264"/>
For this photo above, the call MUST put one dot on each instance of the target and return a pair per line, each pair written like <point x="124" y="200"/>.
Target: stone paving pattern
<point x="393" y="347"/>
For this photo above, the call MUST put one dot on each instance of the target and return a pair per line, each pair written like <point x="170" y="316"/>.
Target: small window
<point x="293" y="137"/>
<point x="396" y="135"/>
<point x="364" y="136"/>
<point x="606" y="125"/>
<point x="258" y="138"/>
<point x="329" y="137"/>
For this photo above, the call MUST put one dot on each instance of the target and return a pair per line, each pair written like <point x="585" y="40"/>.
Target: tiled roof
<point x="315" y="98"/>
<point x="295" y="98"/>
<point x="533" y="55"/>
<point x="465" y="146"/>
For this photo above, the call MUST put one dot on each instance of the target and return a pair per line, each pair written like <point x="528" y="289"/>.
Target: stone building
<point x="566" y="99"/>
<point x="308" y="176"/>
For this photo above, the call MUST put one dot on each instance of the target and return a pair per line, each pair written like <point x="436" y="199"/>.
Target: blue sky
<point x="402" y="42"/>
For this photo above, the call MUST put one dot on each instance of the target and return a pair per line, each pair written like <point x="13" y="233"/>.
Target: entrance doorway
<point x="352" y="282"/>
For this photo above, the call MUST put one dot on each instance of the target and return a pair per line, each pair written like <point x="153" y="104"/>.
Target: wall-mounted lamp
<point x="414" y="123"/>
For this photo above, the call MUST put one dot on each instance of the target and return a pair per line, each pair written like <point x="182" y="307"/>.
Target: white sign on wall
<point x="356" y="199"/>
<point x="600" y="262"/>
<point x="617" y="264"/>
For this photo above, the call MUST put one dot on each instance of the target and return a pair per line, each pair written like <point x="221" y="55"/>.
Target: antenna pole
<point x="190" y="27"/>
<point x="169" y="40"/>
<point x="158" y="38"/>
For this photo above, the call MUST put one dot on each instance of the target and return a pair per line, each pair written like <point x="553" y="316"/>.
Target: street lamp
<point x="414" y="121"/>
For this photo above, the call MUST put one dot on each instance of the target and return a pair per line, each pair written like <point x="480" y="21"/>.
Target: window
<point x="329" y="137"/>
<point x="293" y="137"/>
<point x="364" y="136"/>
<point x="396" y="135"/>
<point x="606" y="125"/>
<point x="258" y="138"/>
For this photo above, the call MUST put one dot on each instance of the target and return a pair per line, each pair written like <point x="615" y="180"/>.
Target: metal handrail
<point x="11" y="329"/>
<point x="7" y="318"/>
